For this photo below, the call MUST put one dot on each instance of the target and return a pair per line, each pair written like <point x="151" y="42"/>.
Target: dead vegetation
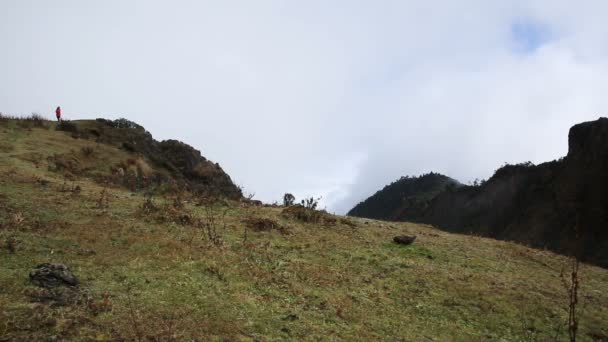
<point x="70" y="187"/>
<point x="33" y="120"/>
<point x="264" y="224"/>
<point x="214" y="223"/>
<point x="103" y="201"/>
<point x="87" y="151"/>
<point x="309" y="215"/>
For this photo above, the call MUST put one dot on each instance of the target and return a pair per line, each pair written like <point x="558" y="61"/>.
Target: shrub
<point x="87" y="151"/>
<point x="149" y="206"/>
<point x="67" y="126"/>
<point x="36" y="120"/>
<point x="302" y="213"/>
<point x="120" y="123"/>
<point x="310" y="203"/>
<point x="124" y="123"/>
<point x="263" y="224"/>
<point x="33" y="120"/>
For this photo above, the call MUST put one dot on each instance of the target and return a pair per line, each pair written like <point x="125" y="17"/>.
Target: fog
<point x="319" y="98"/>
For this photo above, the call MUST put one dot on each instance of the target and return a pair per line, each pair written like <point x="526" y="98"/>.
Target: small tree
<point x="572" y="287"/>
<point x="571" y="281"/>
<point x="288" y="199"/>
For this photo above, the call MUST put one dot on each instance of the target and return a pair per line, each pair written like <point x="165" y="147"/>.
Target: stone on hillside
<point x="52" y="275"/>
<point x="404" y="239"/>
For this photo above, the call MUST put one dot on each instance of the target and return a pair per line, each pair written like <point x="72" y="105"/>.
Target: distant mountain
<point x="560" y="205"/>
<point x="406" y="196"/>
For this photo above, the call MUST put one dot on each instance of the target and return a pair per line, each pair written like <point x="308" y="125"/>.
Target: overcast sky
<point x="325" y="98"/>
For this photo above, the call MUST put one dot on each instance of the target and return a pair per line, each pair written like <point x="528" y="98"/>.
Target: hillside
<point x="405" y="194"/>
<point x="170" y="263"/>
<point x="544" y="205"/>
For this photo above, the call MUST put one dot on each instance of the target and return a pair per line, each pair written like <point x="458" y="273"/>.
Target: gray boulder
<point x="52" y="275"/>
<point x="404" y="239"/>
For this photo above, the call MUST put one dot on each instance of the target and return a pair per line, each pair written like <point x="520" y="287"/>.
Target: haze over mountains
<point x="341" y="96"/>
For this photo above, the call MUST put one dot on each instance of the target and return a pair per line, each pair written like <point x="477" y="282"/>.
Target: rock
<point x="404" y="239"/>
<point x="52" y="275"/>
<point x="291" y="317"/>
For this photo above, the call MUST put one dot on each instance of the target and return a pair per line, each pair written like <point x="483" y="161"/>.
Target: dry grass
<point x="339" y="281"/>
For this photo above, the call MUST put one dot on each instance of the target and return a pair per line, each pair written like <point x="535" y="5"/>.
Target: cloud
<point x="332" y="99"/>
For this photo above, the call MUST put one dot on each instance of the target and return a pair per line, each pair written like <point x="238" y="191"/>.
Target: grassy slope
<point x="314" y="282"/>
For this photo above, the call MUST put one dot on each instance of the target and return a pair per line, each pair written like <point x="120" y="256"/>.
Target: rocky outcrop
<point x="184" y="164"/>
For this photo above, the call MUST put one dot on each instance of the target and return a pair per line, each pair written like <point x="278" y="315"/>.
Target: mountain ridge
<point x="549" y="205"/>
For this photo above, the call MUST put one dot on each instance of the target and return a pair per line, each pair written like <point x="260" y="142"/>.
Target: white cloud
<point x="318" y="98"/>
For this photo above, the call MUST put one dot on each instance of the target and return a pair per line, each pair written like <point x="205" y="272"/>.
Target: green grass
<point x="314" y="282"/>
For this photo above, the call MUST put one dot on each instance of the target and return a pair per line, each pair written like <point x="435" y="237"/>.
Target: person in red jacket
<point x="58" y="113"/>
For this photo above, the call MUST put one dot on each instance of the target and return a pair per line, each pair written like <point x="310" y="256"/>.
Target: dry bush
<point x="64" y="162"/>
<point x="30" y="121"/>
<point x="72" y="187"/>
<point x="214" y="222"/>
<point x="103" y="201"/>
<point x="33" y="120"/>
<point x="148" y="206"/>
<point x="178" y="202"/>
<point x="164" y="326"/>
<point x="87" y="151"/>
<point x="571" y="282"/>
<point x="169" y="212"/>
<point x="348" y="222"/>
<point x="263" y="224"/>
<point x="308" y="215"/>
<point x="137" y="175"/>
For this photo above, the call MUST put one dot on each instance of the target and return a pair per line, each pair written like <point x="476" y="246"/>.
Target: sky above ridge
<point x="319" y="98"/>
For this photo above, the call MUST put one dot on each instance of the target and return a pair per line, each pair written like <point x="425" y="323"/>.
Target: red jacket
<point x="58" y="112"/>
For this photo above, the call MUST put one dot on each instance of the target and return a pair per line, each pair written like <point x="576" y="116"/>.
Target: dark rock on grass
<point x="52" y="275"/>
<point x="404" y="239"/>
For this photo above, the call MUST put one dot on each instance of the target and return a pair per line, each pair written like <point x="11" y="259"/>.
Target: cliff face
<point x="560" y="205"/>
